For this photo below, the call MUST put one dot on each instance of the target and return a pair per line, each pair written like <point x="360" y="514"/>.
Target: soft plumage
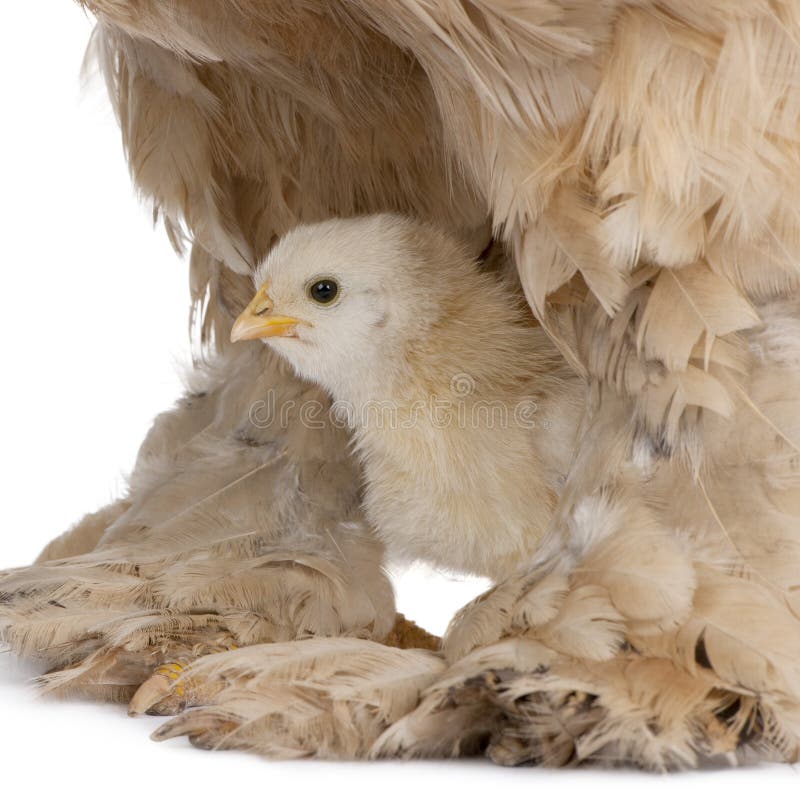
<point x="638" y="164"/>
<point x="227" y="536"/>
<point x="462" y="411"/>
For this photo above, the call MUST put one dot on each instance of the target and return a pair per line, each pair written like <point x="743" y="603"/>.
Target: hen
<point x="637" y="163"/>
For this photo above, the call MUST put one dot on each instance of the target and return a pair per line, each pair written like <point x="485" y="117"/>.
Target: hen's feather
<point x="641" y="161"/>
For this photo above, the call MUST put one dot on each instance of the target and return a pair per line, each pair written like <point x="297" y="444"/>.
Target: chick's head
<point x="342" y="299"/>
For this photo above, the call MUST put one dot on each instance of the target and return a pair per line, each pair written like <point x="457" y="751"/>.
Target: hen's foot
<point x="169" y="690"/>
<point x="329" y="697"/>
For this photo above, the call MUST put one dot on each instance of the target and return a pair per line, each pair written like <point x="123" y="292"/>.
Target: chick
<point x="461" y="410"/>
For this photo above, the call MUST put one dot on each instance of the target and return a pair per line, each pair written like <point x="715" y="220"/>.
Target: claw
<point x="162" y="693"/>
<point x="169" y="690"/>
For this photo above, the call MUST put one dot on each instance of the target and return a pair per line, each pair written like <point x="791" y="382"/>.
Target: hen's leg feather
<point x="241" y="525"/>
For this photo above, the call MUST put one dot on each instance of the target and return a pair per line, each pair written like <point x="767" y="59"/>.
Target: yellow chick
<point x="461" y="410"/>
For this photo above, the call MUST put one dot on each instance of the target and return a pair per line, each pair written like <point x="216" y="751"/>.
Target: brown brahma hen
<point x="637" y="166"/>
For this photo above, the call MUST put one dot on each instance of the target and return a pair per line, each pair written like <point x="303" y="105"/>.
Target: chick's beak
<point x="258" y="321"/>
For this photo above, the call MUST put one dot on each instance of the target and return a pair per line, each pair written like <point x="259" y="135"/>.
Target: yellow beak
<point x="257" y="321"/>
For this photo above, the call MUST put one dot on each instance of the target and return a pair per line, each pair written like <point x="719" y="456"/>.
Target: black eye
<point x="323" y="291"/>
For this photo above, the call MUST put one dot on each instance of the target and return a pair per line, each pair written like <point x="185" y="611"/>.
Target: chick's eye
<point x="323" y="291"/>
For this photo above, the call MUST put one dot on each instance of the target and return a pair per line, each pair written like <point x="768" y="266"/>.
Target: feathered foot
<point x="102" y="628"/>
<point x="241" y="526"/>
<point x="521" y="702"/>
<point x="168" y="690"/>
<point x="633" y="649"/>
<point x="330" y="698"/>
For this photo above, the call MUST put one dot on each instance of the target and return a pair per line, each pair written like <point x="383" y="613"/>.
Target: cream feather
<point x="638" y="160"/>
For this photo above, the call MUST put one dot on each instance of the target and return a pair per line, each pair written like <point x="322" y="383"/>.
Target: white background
<point x="93" y="334"/>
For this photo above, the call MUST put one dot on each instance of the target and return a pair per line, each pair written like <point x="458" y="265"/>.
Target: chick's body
<point x="462" y="412"/>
